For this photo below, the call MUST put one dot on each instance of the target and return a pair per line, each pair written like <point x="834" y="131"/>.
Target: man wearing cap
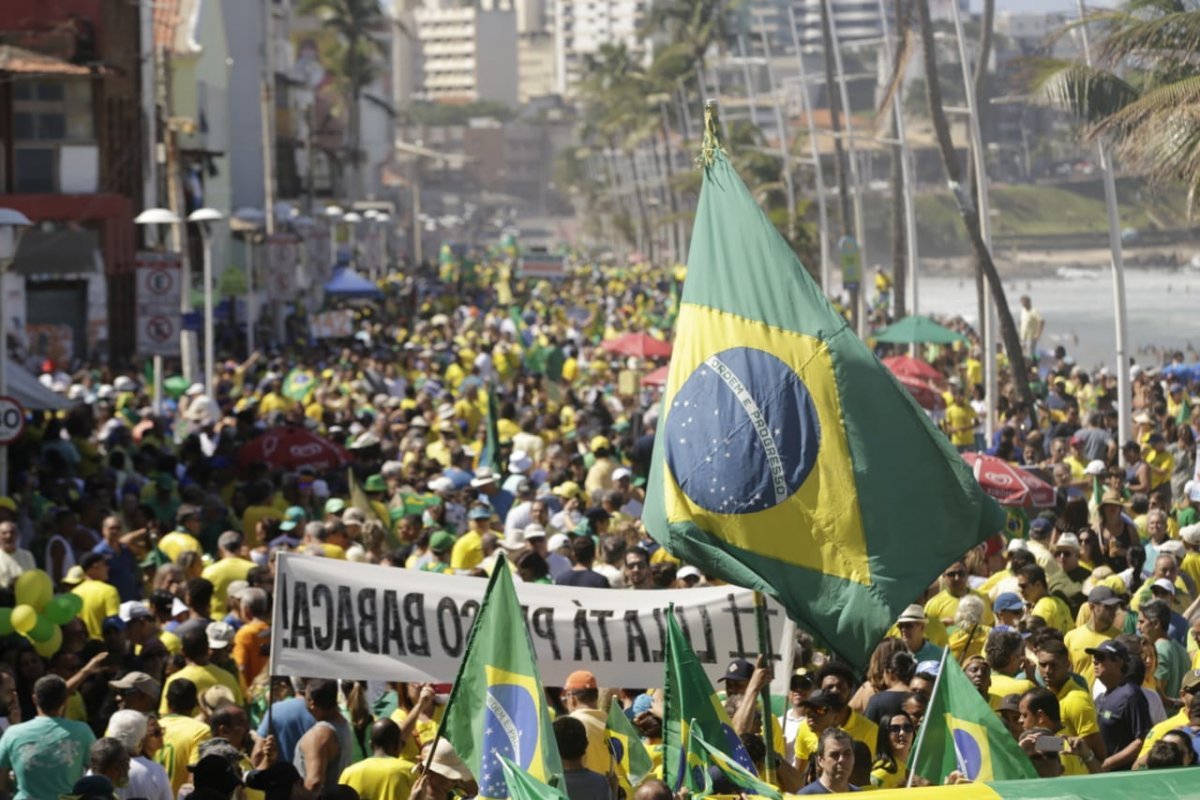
<point x="1040" y="531"/>
<point x="13" y="560"/>
<point x="1189" y="687"/>
<point x="100" y="598"/>
<point x="183" y="539"/>
<point x="580" y="697"/>
<point x="629" y="506"/>
<point x="835" y="685"/>
<point x="136" y="691"/>
<point x="229" y="567"/>
<point x="519" y="466"/>
<point x="1103" y="603"/>
<point x="1123" y="712"/>
<point x="912" y="624"/>
<point x="441" y="545"/>
<point x="468" y="548"/>
<point x="943" y="605"/>
<point x="1009" y="609"/>
<point x="1066" y="552"/>
<point x="487" y="484"/>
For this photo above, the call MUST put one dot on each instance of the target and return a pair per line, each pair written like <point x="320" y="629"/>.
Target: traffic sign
<point x="12" y="420"/>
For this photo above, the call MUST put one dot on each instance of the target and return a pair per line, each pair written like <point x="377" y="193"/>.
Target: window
<point x="53" y="111"/>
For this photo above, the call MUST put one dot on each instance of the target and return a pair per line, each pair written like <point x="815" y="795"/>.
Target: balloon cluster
<point x="39" y="612"/>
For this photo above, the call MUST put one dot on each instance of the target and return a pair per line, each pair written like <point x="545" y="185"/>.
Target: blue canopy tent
<point x="348" y="284"/>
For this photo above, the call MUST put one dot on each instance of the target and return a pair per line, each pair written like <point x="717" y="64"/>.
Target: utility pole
<point x="268" y="135"/>
<point x="819" y="172"/>
<point x="187" y="339"/>
<point x="781" y="125"/>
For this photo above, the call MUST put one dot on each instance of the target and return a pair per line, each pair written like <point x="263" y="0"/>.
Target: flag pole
<point x="764" y="647"/>
<point x="916" y="751"/>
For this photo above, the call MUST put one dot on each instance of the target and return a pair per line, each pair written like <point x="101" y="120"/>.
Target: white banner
<point x="336" y="324"/>
<point x="339" y="619"/>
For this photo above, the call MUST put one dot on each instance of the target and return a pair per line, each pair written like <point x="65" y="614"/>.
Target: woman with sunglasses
<point x="895" y="741"/>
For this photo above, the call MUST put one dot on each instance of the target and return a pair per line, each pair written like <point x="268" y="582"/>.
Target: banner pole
<point x="916" y="751"/>
<point x="276" y="628"/>
<point x="764" y="647"/>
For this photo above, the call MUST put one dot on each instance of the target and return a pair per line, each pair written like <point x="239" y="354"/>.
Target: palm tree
<point x="357" y="60"/>
<point x="1143" y="91"/>
<point x="983" y="257"/>
<point x="845" y="212"/>
<point x="694" y="26"/>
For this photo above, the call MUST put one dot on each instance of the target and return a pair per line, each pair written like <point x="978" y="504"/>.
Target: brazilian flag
<point x="523" y="786"/>
<point x="489" y="454"/>
<point x="788" y="459"/>
<point x="690" y="705"/>
<point x="497" y="706"/>
<point x="747" y="782"/>
<point x="630" y="758"/>
<point x="299" y="384"/>
<point x="961" y="732"/>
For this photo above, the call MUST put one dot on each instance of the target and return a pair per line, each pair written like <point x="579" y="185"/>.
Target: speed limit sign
<point x="12" y="420"/>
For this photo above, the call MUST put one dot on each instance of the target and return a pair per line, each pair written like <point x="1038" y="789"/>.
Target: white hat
<point x="1135" y="372"/>
<point x="105" y="391"/>
<point x="195" y="390"/>
<point x="621" y="472"/>
<point x="483" y="477"/>
<point x="76" y="392"/>
<point x="1190" y="534"/>
<point x="124" y="383"/>
<point x="514" y="540"/>
<point x="688" y="572"/>
<point x="557" y="541"/>
<point x="445" y="762"/>
<point x="1171" y="547"/>
<point x="1015" y="545"/>
<point x="178" y="607"/>
<point x="133" y="609"/>
<point x="519" y="461"/>
<point x="534" y="531"/>
<point x="913" y="613"/>
<point x="1068" y="541"/>
<point x="220" y="635"/>
<point x="1165" y="585"/>
<point x="441" y="484"/>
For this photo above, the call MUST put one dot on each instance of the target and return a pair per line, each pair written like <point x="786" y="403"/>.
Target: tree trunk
<point x="980" y="78"/>
<point x="672" y="197"/>
<point x="643" y="217"/>
<point x="941" y="126"/>
<point x="355" y="125"/>
<point x="845" y="211"/>
<point x="900" y="265"/>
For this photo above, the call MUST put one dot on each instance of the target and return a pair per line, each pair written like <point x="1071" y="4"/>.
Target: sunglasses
<point x="903" y="728"/>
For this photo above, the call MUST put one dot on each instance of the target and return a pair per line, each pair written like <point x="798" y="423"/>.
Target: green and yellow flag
<point x="690" y="704"/>
<point x="523" y="786"/>
<point x="735" y="773"/>
<point x="489" y="454"/>
<point x="961" y="732"/>
<point x="631" y="760"/>
<point x="497" y="706"/>
<point x="787" y="458"/>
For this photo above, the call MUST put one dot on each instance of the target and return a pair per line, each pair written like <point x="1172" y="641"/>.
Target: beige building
<point x="535" y="66"/>
<point x="466" y="54"/>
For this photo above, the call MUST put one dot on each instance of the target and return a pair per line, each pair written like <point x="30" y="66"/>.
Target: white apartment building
<point x="466" y="54"/>
<point x="582" y="26"/>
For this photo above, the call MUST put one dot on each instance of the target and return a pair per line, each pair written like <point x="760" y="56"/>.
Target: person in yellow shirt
<point x="417" y="716"/>
<point x="259" y="508"/>
<point x="943" y="605"/>
<point x="1102" y="604"/>
<point x="182" y="734"/>
<point x="1161" y="463"/>
<point x="1077" y="709"/>
<point x="1187" y="691"/>
<point x="199" y="671"/>
<point x="1031" y="582"/>
<point x="188" y="522"/>
<point x="384" y="774"/>
<point x="274" y="401"/>
<point x="228" y="568"/>
<point x="468" y="549"/>
<point x="959" y="422"/>
<point x="100" y="598"/>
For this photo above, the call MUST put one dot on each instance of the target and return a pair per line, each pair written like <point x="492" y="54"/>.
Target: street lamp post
<point x="332" y="215"/>
<point x="204" y="218"/>
<point x="164" y="216"/>
<point x="250" y="221"/>
<point x="352" y="219"/>
<point x="12" y="225"/>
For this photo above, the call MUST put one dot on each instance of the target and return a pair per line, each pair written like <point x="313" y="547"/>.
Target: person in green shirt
<point x="48" y="753"/>
<point x="1154" y="619"/>
<point x="441" y="544"/>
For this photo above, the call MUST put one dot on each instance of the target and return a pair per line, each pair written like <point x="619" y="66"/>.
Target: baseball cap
<point x="580" y="679"/>
<point x="133" y="609"/>
<point x="292" y="517"/>
<point x="91" y="787"/>
<point x="535" y="531"/>
<point x="567" y="490"/>
<point x="1017" y="544"/>
<point x="113" y="622"/>
<point x="1108" y="648"/>
<point x="599" y="443"/>
<point x="74" y="576"/>
<point x="519" y="461"/>
<point x="479" y="512"/>
<point x="1008" y="601"/>
<point x="620" y="473"/>
<point x="930" y="668"/>
<point x="335" y="505"/>
<point x="1165" y="585"/>
<point x="1040" y="525"/>
<point x="1191" y="681"/>
<point x="215" y="772"/>
<point x="1010" y="702"/>
<point x="1171" y="547"/>
<point x="1190" y="534"/>
<point x="441" y="542"/>
<point x="557" y="541"/>
<point x="688" y="572"/>
<point x="1104" y="596"/>
<point x="220" y="635"/>
<point x="136" y="682"/>
<point x="738" y="670"/>
<point x="914" y="613"/>
<point x="822" y="699"/>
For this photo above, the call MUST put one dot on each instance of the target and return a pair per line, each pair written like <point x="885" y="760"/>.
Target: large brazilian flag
<point x="787" y="458"/>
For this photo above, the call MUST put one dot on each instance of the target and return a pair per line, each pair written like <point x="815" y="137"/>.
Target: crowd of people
<point x="482" y="418"/>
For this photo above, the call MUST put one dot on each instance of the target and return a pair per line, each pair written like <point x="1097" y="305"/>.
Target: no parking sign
<point x="12" y="420"/>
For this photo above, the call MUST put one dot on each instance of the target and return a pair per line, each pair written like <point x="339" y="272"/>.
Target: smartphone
<point x="1049" y="744"/>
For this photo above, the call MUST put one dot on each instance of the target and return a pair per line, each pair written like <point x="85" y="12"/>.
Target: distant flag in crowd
<point x="787" y="458"/>
<point x="497" y="706"/>
<point x="359" y="500"/>
<point x="299" y="384"/>
<point x="689" y="702"/>
<point x="961" y="732"/>
<point x="523" y="786"/>
<point x="746" y="782"/>
<point x="631" y="760"/>
<point x="489" y="454"/>
<point x="695" y="777"/>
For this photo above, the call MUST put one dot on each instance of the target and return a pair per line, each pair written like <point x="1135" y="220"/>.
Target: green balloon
<point x="61" y="609"/>
<point x="76" y="604"/>
<point x="43" y="630"/>
<point x="6" y="627"/>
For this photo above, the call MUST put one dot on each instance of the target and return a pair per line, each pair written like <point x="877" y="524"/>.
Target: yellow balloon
<point x="34" y="588"/>
<point x="50" y="646"/>
<point x="24" y="617"/>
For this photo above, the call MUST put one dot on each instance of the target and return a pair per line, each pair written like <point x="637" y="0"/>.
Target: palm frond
<point x="1089" y="93"/>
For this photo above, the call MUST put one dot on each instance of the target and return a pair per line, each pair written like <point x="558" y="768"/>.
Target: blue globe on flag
<point x="967" y="753"/>
<point x="510" y="729"/>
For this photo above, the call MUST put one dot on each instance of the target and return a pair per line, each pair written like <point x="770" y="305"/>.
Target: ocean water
<point x="1162" y="309"/>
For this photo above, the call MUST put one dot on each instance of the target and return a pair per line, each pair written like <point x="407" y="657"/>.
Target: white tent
<point x="30" y="393"/>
